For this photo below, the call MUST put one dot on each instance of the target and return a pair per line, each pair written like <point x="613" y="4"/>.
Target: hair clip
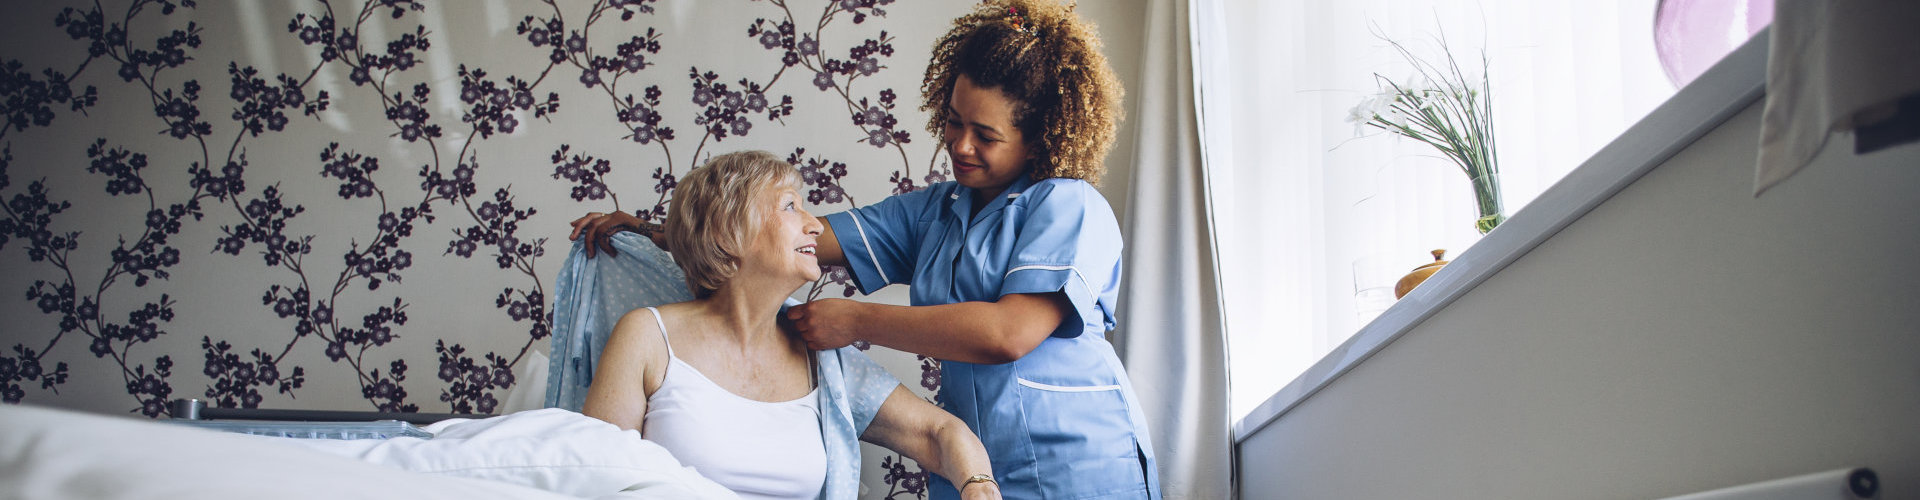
<point x="1019" y="22"/>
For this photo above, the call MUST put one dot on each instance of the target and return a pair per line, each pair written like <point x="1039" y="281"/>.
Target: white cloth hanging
<point x="1833" y="66"/>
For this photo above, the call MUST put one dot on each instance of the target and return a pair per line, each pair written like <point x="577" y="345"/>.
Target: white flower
<point x="1378" y="107"/>
<point x="1439" y="106"/>
<point x="1359" y="115"/>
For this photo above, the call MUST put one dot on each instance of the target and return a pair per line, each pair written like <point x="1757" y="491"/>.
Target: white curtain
<point x="1170" y="335"/>
<point x="1308" y="215"/>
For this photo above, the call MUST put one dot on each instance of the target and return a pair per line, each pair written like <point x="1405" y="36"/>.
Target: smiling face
<point x="787" y="236"/>
<point x="988" y="151"/>
<point x="739" y="215"/>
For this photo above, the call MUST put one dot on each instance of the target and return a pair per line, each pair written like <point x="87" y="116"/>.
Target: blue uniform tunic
<point x="1061" y="422"/>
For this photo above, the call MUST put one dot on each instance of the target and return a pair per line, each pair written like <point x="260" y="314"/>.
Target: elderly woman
<point x="718" y="383"/>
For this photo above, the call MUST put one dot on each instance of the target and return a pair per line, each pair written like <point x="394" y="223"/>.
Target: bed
<point x="542" y="454"/>
<point x="547" y="453"/>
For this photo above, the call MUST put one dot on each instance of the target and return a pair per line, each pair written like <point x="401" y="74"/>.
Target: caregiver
<point x="1013" y="268"/>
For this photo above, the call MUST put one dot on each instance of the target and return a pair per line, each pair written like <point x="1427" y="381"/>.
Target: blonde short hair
<point x="716" y="213"/>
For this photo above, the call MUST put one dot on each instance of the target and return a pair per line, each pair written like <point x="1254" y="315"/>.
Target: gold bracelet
<point x="978" y="478"/>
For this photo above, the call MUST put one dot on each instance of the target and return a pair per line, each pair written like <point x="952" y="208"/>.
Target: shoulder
<point x="640" y="318"/>
<point x="840" y="359"/>
<point x="918" y="203"/>
<point x="934" y="195"/>
<point x="855" y="367"/>
<point x="633" y="360"/>
<point x="1061" y="197"/>
<point x="940" y="189"/>
<point x="1061" y="191"/>
<point x="637" y="337"/>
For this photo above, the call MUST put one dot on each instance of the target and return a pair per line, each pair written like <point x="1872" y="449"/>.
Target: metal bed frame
<point x="310" y="424"/>
<point x="194" y="409"/>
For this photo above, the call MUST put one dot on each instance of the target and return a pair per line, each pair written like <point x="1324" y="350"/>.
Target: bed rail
<point x="194" y="409"/>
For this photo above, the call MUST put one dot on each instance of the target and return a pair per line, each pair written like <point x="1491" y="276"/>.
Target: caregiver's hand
<point x="598" y="228"/>
<point x="981" y="491"/>
<point x="826" y="323"/>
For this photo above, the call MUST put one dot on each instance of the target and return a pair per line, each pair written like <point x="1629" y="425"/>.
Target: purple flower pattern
<point x="317" y="298"/>
<point x="237" y="382"/>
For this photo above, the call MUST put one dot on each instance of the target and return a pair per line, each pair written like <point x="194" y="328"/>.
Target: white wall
<point x="1683" y="336"/>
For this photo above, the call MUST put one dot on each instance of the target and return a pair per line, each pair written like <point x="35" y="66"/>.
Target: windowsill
<point x="1723" y="90"/>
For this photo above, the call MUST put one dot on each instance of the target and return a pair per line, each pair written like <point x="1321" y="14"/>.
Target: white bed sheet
<point x="59" y="454"/>
<point x="549" y="449"/>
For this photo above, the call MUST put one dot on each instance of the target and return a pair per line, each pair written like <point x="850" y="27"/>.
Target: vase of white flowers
<point x="1441" y="107"/>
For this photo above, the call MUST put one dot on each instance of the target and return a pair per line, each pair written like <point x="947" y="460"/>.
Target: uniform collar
<point x="961" y="199"/>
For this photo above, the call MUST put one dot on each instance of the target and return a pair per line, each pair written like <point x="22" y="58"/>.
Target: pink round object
<point x="1692" y="35"/>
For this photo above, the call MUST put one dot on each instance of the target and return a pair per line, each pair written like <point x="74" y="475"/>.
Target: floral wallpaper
<point x="362" y="205"/>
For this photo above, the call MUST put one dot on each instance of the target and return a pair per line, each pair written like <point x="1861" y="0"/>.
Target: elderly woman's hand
<point x="826" y="323"/>
<point x="598" y="228"/>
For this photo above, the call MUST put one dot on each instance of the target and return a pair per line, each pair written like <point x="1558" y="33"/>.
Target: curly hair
<point x="717" y="211"/>
<point x="1048" y="61"/>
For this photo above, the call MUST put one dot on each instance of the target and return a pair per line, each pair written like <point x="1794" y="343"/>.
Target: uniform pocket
<point x="1082" y="439"/>
<point x="1063" y="388"/>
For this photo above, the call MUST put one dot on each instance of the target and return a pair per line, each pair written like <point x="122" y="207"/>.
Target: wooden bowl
<point x="1419" y="274"/>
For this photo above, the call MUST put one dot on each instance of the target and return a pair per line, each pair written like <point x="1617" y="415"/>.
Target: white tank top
<point x="755" y="448"/>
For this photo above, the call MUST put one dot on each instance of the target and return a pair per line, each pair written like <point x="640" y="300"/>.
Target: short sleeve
<point x="880" y="240"/>
<point x="1068" y="241"/>
<point x="868" y="385"/>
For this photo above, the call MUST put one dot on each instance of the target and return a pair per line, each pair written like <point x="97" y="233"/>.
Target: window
<point x="1309" y="216"/>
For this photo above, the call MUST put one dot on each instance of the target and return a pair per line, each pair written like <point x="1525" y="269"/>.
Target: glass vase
<point x="1486" y="194"/>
